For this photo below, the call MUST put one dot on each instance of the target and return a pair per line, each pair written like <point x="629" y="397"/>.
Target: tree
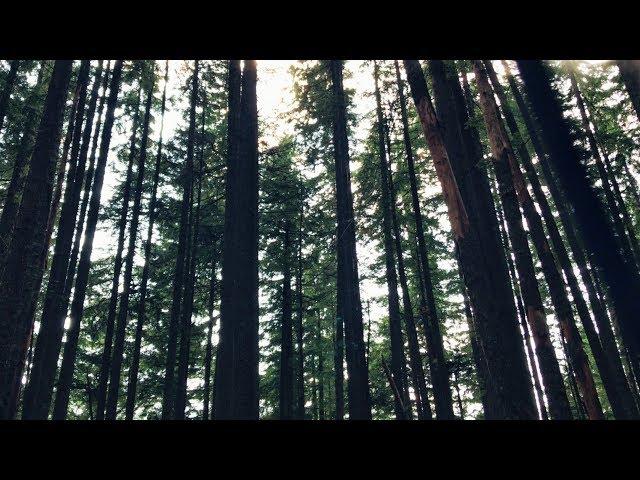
<point x="21" y="274"/>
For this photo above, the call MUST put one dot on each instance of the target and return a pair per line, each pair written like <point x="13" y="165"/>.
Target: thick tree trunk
<point x="9" y="82"/>
<point x="79" y="292"/>
<point x="615" y="385"/>
<point x="123" y="313"/>
<point x="509" y="392"/>
<point x="105" y="363"/>
<point x="395" y="327"/>
<point x="348" y="280"/>
<point x="22" y="274"/>
<point x="144" y="281"/>
<point x="237" y="397"/>
<point x="37" y="395"/>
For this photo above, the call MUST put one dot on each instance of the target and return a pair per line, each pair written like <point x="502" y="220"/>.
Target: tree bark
<point x="286" y="340"/>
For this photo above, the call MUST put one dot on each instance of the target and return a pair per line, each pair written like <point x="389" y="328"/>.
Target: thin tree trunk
<point x="209" y="350"/>
<point x="132" y="384"/>
<point x="10" y="81"/>
<point x="84" y="264"/>
<point x="21" y="277"/>
<point x="395" y="327"/>
<point x="105" y="363"/>
<point x="123" y="313"/>
<point x="286" y="341"/>
<point x="299" y="314"/>
<point x="321" y="411"/>
<point x="348" y="281"/>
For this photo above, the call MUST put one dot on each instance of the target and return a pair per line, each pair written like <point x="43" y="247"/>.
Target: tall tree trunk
<point x="338" y="363"/>
<point x="505" y="158"/>
<point x="286" y="340"/>
<point x="348" y="281"/>
<point x="321" y="411"/>
<point x="37" y="395"/>
<point x="9" y="82"/>
<point x="615" y="385"/>
<point x="187" y="310"/>
<point x="144" y="281"/>
<point x="123" y="313"/>
<point x="224" y="354"/>
<point x="31" y="112"/>
<point x="509" y="392"/>
<point x="237" y="397"/>
<point x="79" y="292"/>
<point x="170" y="384"/>
<point x="533" y="364"/>
<point x="105" y="363"/>
<point x="512" y="192"/>
<point x="395" y="327"/>
<point x="22" y="274"/>
<point x="630" y="73"/>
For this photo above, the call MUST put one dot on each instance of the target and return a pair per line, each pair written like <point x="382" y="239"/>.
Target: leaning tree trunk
<point x="77" y="305"/>
<point x="23" y="270"/>
<point x="13" y="194"/>
<point x="510" y="193"/>
<point x="347" y="282"/>
<point x="237" y="362"/>
<point x="123" y="313"/>
<point x="615" y="384"/>
<point x="105" y="363"/>
<point x="37" y="395"/>
<point x="630" y="73"/>
<point x="142" y="302"/>
<point x="503" y="152"/>
<point x="509" y="392"/>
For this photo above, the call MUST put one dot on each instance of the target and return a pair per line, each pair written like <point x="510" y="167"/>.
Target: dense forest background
<point x="215" y="239"/>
